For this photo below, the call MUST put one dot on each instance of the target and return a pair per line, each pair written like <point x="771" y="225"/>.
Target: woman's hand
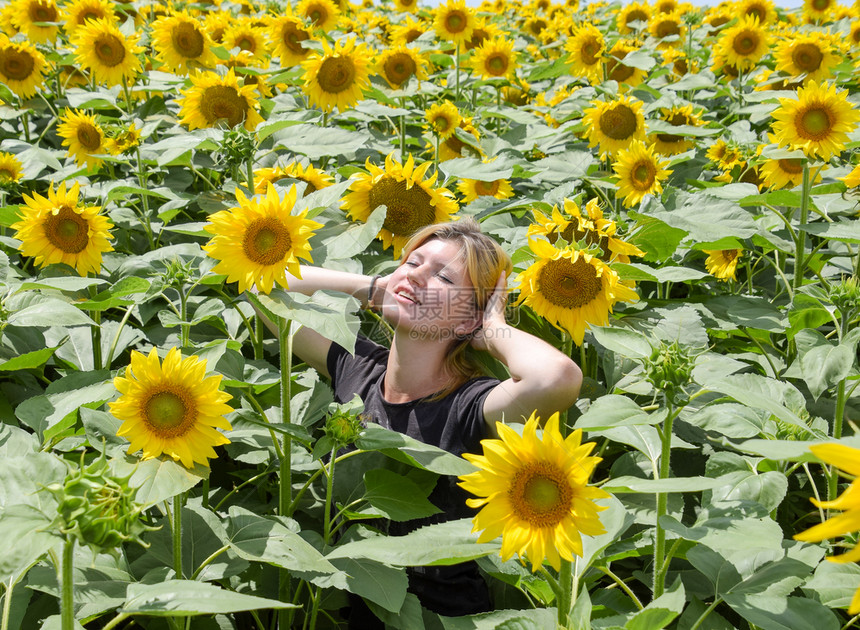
<point x="493" y="320"/>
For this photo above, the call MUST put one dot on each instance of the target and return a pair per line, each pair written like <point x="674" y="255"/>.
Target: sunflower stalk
<point x="457" y="71"/>
<point x="67" y="585"/>
<point x="663" y="472"/>
<point x="799" y="262"/>
<point x="176" y="525"/>
<point x="96" y="333"/>
<point x="328" y="495"/>
<point x="285" y="347"/>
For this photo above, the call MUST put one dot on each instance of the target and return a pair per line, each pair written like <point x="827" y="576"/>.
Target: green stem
<point x="113" y="623"/>
<point x="25" y="123"/>
<point x="800" y="251"/>
<point x="566" y="595"/>
<point x="67" y="592"/>
<point x="177" y="535"/>
<point x="7" y="603"/>
<point x="249" y="167"/>
<point x="109" y="358"/>
<point x="240" y="486"/>
<point x="328" y="496"/>
<point x="839" y="414"/>
<point x="184" y="326"/>
<point x="96" y="333"/>
<point x="623" y="586"/>
<point x="257" y="337"/>
<point x="285" y="346"/>
<point x="662" y="503"/>
<point x="707" y="612"/>
<point x="457" y="70"/>
<point x="209" y="561"/>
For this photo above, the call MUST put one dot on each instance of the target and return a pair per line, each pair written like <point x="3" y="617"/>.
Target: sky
<point x="785" y="4"/>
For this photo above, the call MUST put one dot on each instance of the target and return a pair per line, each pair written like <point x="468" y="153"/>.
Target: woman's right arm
<point x="310" y="346"/>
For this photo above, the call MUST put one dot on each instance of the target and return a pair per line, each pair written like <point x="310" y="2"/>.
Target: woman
<point x="446" y="298"/>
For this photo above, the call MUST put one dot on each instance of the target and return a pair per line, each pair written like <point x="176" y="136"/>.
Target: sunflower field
<point x="675" y="186"/>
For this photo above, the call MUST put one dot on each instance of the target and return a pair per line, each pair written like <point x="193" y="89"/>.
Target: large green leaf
<point x="473" y="168"/>
<point x="29" y="360"/>
<point x="409" y="450"/>
<point x="655" y="237"/>
<point x="349" y="242"/>
<point x="40" y="413"/>
<point x="834" y="583"/>
<point x="259" y="539"/>
<point x="316" y="142"/>
<point x="729" y="419"/>
<point x="396" y="497"/>
<point x="622" y="341"/>
<point x="23" y="539"/>
<point x="615" y="410"/>
<point x="672" y="484"/>
<point x="43" y="312"/>
<point x="660" y="612"/>
<point x="161" y="478"/>
<point x="770" y="612"/>
<point x="23" y="479"/>
<point x="441" y="544"/>
<point x="175" y="598"/>
<point x="825" y="365"/>
<point x="381" y="584"/>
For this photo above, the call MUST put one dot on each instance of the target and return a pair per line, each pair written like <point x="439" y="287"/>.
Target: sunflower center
<point x="497" y="64"/>
<point x="187" y="40"/>
<point x="642" y="175"/>
<point x="486" y="189"/>
<point x="336" y="74"/>
<point x="412" y="34"/>
<point x="814" y="123"/>
<point x="309" y="185"/>
<point x="807" y="57"/>
<point x="223" y="102"/>
<point x="246" y="43"/>
<point x="537" y="26"/>
<point x="455" y="22"/>
<point x="89" y="14"/>
<point x="398" y="68"/>
<point x="67" y="231"/>
<point x="540" y="494"/>
<point x="569" y="284"/>
<point x="89" y="137"/>
<point x="667" y="28"/>
<point x="618" y="71"/>
<point x="43" y="12"/>
<point x="636" y="16"/>
<point x="758" y="12"/>
<point x="16" y="65"/>
<point x="821" y="5"/>
<point x="794" y="166"/>
<point x="589" y="51"/>
<point x="110" y="49"/>
<point x="441" y="124"/>
<point x="317" y="14"/>
<point x="619" y="122"/>
<point x="7" y="175"/>
<point x="266" y="241"/>
<point x="293" y="38"/>
<point x="745" y="43"/>
<point x="408" y="208"/>
<point x="169" y="413"/>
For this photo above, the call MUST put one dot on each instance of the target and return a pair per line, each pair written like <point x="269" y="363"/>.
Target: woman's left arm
<point x="543" y="380"/>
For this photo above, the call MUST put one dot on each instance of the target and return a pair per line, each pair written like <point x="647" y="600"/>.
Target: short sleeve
<point x="355" y="373"/>
<point x="468" y="404"/>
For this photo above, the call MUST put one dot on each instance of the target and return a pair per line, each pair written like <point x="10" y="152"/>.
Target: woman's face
<point x="430" y="293"/>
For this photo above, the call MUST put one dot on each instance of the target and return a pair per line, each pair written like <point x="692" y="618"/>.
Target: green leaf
<point x="409" y="450"/>
<point x="259" y="539"/>
<point x="161" y="478"/>
<point x="354" y="240"/>
<point x="729" y="419"/>
<point x="623" y="341"/>
<point x="834" y="583"/>
<point x="381" y="584"/>
<point x="441" y="544"/>
<point x="330" y="313"/>
<point x="736" y="311"/>
<point x="62" y="283"/>
<point x="660" y="612"/>
<point x="707" y="218"/>
<point x="23" y="539"/>
<point x="615" y="410"/>
<point x="783" y="613"/>
<point x="644" y="439"/>
<point x="767" y="489"/>
<point x="639" y="272"/>
<point x="825" y="365"/>
<point x="672" y="484"/>
<point x="845" y="231"/>
<point x="806" y="312"/>
<point x="46" y="311"/>
<point x="789" y="450"/>
<point x="395" y="496"/>
<point x="316" y="142"/>
<point x="174" y="598"/>
<point x="40" y="413"/>
<point x="655" y="237"/>
<point x="473" y="168"/>
<point x="29" y="360"/>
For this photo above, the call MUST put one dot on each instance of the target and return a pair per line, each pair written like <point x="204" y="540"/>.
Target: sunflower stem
<point x="177" y="535"/>
<point x="249" y="173"/>
<point x="257" y="337"/>
<point x="799" y="262"/>
<point x="96" y="333"/>
<point x="839" y="413"/>
<point x="328" y="496"/>
<point x="566" y="595"/>
<point x="456" y="71"/>
<point x="184" y="326"/>
<point x="285" y="346"/>
<point x="25" y="123"/>
<point x="436" y="156"/>
<point x="7" y="603"/>
<point x="662" y="502"/>
<point x="67" y="586"/>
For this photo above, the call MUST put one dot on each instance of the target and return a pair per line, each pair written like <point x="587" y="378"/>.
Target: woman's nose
<point x="415" y="275"/>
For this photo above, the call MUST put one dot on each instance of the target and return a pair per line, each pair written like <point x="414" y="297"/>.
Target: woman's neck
<point x="416" y="368"/>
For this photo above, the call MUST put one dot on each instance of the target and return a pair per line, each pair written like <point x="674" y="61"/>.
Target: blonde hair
<point x="485" y="260"/>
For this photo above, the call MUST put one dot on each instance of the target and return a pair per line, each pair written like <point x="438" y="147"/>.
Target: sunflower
<point x="57" y="229"/>
<point x="818" y="11"/>
<point x="454" y="146"/>
<point x="407" y="31"/>
<point x="764" y="10"/>
<point x="216" y="22"/>
<point x="37" y="19"/>
<point x="534" y="492"/>
<point x="443" y="119"/>
<point x="640" y="173"/>
<point x="83" y="136"/>
<point x="722" y="263"/>
<point x="818" y="122"/>
<point x="7" y="20"/>
<point x="483" y="31"/>
<point x="852" y="180"/>
<point x="454" y="22"/>
<point x="406" y="5"/>
<point x="181" y="43"/>
<point x="288" y="32"/>
<point x="399" y="64"/>
<point x="668" y="29"/>
<point x="847" y="460"/>
<point x="811" y="54"/>
<point x="679" y="62"/>
<point x="571" y="289"/>
<point x="171" y="408"/>
<point x="614" y="124"/>
<point x="79" y="12"/>
<point x="411" y="201"/>
<point x="678" y="116"/>
<point x="495" y="58"/>
<point x="535" y="25"/>
<point x="784" y="172"/>
<point x="257" y="242"/>
<point x="108" y="54"/>
<point x="471" y="189"/>
<point x="743" y="44"/>
<point x="337" y="77"/>
<point x="314" y="178"/>
<point x="323" y="14"/>
<point x="22" y="67"/>
<point x="632" y="13"/>
<point x="247" y="38"/>
<point x="124" y="141"/>
<point x="213" y="100"/>
<point x="617" y="70"/>
<point x="591" y="231"/>
<point x="11" y="169"/>
<point x="586" y="50"/>
<point x="666" y="6"/>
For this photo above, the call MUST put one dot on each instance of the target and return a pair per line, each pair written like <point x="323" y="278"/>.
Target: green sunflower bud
<point x="845" y="295"/>
<point x="669" y="369"/>
<point x="98" y="508"/>
<point x="343" y="427"/>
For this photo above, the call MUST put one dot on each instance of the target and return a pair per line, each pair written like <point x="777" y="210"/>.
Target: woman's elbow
<point x="565" y="383"/>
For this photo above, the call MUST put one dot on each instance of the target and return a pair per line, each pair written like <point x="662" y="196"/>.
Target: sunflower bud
<point x="98" y="508"/>
<point x="237" y="147"/>
<point x="343" y="427"/>
<point x="178" y="273"/>
<point x="669" y="369"/>
<point x="845" y="295"/>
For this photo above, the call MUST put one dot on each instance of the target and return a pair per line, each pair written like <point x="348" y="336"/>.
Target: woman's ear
<point x="470" y="326"/>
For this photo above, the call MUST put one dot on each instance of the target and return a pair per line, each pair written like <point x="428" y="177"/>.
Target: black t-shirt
<point x="454" y="423"/>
